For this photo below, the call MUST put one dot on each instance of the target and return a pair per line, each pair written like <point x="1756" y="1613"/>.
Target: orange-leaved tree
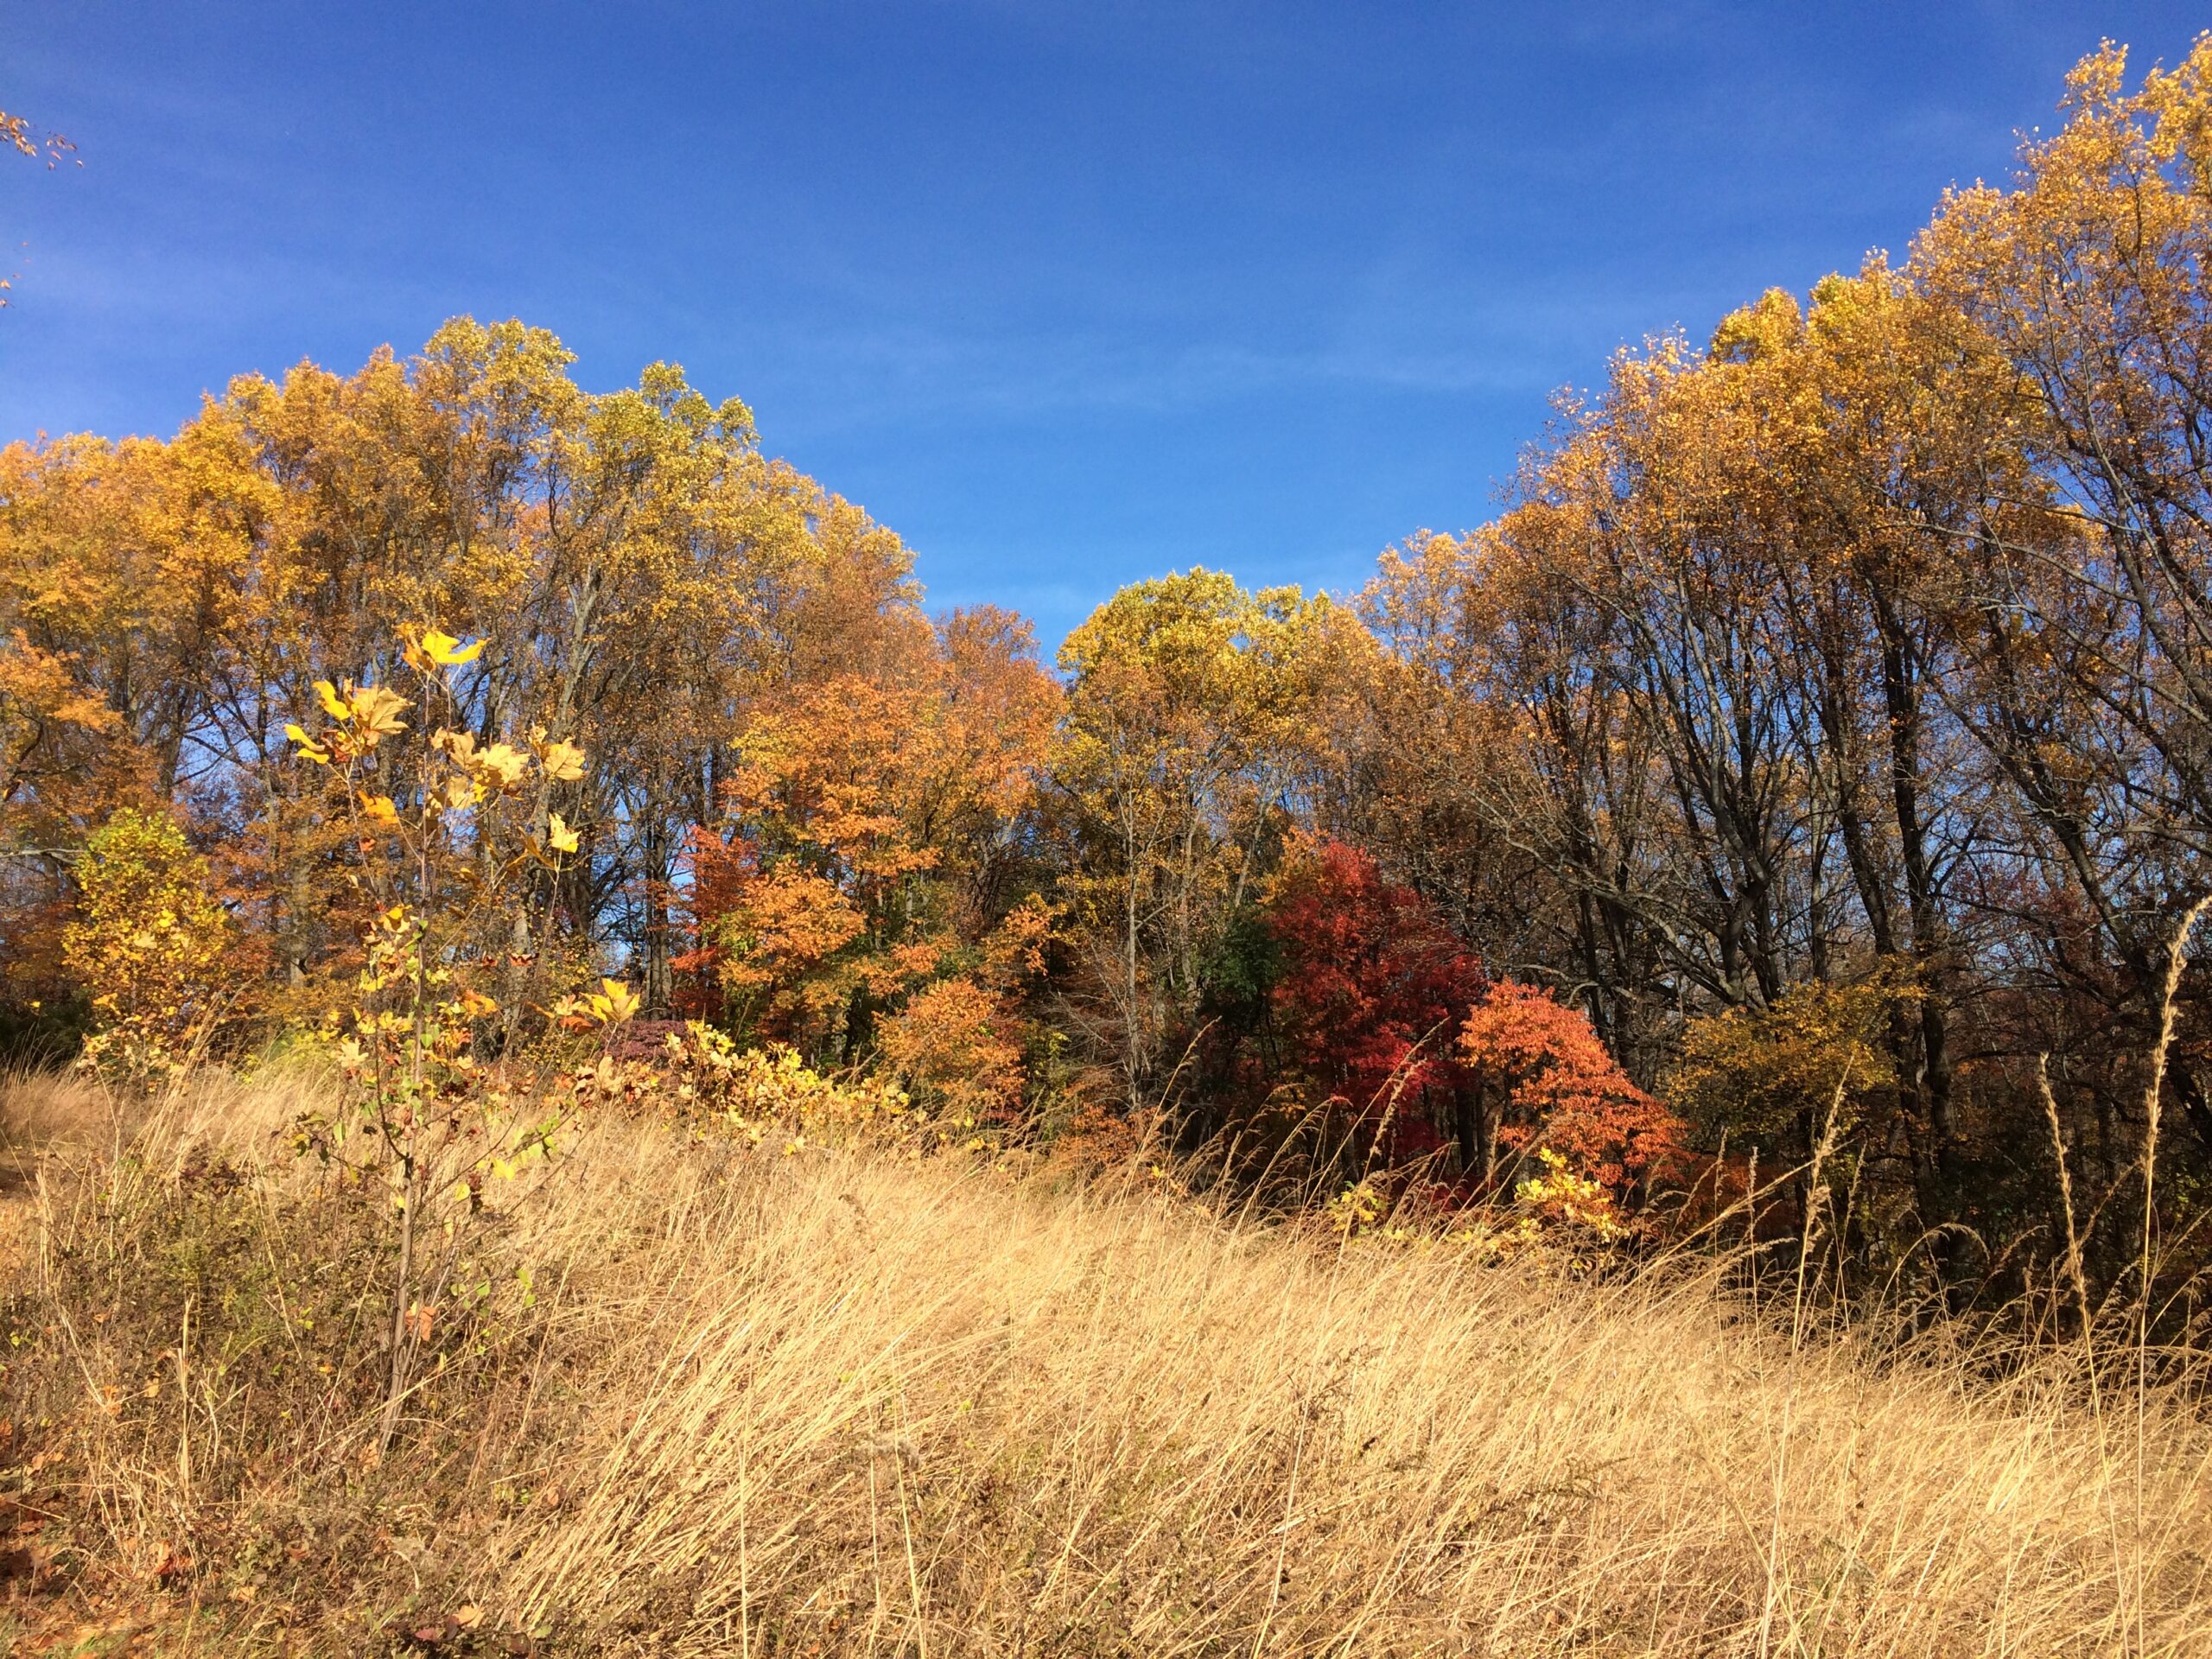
<point x="1545" y="1081"/>
<point x="866" y="885"/>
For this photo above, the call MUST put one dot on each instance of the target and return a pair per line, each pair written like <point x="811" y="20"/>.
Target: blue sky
<point x="1068" y="293"/>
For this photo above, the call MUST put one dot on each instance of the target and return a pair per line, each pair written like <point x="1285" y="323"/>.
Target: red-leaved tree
<point x="1371" y="994"/>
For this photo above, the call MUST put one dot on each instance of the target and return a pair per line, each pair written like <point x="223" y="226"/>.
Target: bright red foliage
<point x="1372" y="991"/>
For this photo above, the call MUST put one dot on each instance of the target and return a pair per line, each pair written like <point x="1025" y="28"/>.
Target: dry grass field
<point x="690" y="1398"/>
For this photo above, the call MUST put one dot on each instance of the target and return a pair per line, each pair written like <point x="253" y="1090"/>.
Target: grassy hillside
<point x="693" y="1398"/>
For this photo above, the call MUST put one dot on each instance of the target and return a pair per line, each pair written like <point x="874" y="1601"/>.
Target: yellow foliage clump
<point x="705" y="1077"/>
<point x="147" y="945"/>
<point x="1818" y="1046"/>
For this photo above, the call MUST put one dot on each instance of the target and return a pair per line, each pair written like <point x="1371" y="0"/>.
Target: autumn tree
<point x="1542" y="1080"/>
<point x="647" y="576"/>
<point x="864" y="881"/>
<point x="1371" y="994"/>
<point x="1198" y="721"/>
<point x="151" y="945"/>
<point x="2089" y="661"/>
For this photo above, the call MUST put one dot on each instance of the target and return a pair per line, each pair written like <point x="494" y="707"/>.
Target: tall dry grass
<point x="855" y="1402"/>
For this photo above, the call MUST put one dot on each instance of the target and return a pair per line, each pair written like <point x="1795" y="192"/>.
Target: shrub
<point x="1561" y="1090"/>
<point x="148" y="944"/>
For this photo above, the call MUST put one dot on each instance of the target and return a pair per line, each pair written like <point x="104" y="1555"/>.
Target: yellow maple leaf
<point x="448" y="652"/>
<point x="615" y="1001"/>
<point x="564" y="762"/>
<point x="558" y="836"/>
<point x="498" y="767"/>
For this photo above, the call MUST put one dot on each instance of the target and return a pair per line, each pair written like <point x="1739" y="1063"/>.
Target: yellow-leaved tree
<point x="419" y="1111"/>
<point x="1199" y="715"/>
<point x="150" y="944"/>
